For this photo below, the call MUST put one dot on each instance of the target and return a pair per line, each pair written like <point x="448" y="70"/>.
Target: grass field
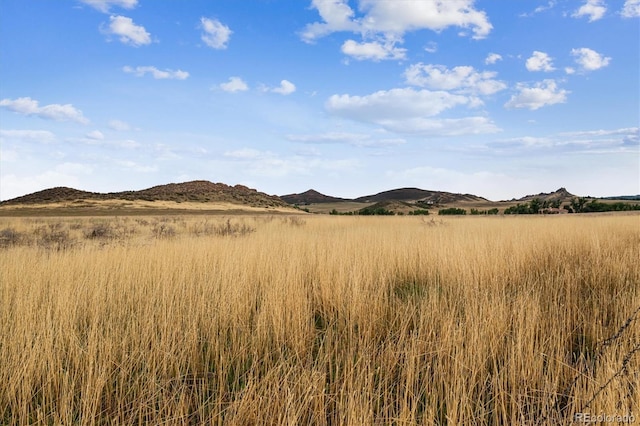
<point x="319" y="320"/>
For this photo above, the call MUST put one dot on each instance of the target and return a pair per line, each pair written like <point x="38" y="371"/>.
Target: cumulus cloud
<point x="436" y="15"/>
<point x="43" y="136"/>
<point x="336" y="16"/>
<point x="462" y="79"/>
<point x="589" y="60"/>
<point x="128" y="32"/>
<point x="631" y="9"/>
<point x="57" y="112"/>
<point x="375" y="51"/>
<point x="105" y="5"/>
<point x="594" y="9"/>
<point x="156" y="73"/>
<point x="286" y="88"/>
<point x="235" y="84"/>
<point x="541" y="94"/>
<point x="539" y="61"/>
<point x="215" y="34"/>
<point x="492" y="58"/>
<point x="389" y="21"/>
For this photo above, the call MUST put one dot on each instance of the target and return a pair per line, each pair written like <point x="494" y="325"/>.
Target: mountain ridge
<point x="193" y="191"/>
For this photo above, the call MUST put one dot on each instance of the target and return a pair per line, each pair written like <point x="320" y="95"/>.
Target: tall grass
<point x="321" y="320"/>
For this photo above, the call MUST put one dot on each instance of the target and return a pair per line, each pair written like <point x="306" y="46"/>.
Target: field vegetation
<point x="484" y="320"/>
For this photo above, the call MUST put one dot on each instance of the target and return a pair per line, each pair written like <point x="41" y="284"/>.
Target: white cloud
<point x="550" y="5"/>
<point x="441" y="126"/>
<point x="410" y="111"/>
<point x="156" y="73"/>
<point x="492" y="58"/>
<point x="397" y="103"/>
<point x="400" y="17"/>
<point x="119" y="125"/>
<point x="589" y="60"/>
<point x="570" y="70"/>
<point x="216" y="35"/>
<point x="286" y="88"/>
<point x="43" y="136"/>
<point x="359" y="140"/>
<point x="631" y="9"/>
<point x="540" y="61"/>
<point x="589" y="141"/>
<point x="129" y="33"/>
<point x="375" y="51"/>
<point x="95" y="135"/>
<point x="626" y="131"/>
<point x="390" y="20"/>
<point x="28" y="106"/>
<point x="235" y="84"/>
<point x="431" y="47"/>
<point x="541" y="94"/>
<point x="594" y="9"/>
<point x="336" y="16"/>
<point x="462" y="79"/>
<point x="105" y="5"/>
<point x="136" y="167"/>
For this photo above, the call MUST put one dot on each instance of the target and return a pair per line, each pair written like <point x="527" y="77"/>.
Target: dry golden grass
<point x="318" y="320"/>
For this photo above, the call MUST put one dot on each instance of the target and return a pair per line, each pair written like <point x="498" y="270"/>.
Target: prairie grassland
<point x="319" y="320"/>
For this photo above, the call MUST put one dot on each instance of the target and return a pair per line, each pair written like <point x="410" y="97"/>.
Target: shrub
<point x="452" y="211"/>
<point x="54" y="237"/>
<point x="99" y="231"/>
<point x="232" y="229"/>
<point x="376" y="211"/>
<point x="163" y="230"/>
<point x="10" y="237"/>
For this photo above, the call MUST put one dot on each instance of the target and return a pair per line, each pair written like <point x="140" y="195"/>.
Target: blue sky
<point x="492" y="97"/>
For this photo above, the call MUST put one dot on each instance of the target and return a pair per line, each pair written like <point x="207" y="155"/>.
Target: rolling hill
<point x="410" y="195"/>
<point x="199" y="191"/>
<point x="310" y="197"/>
<point x="560" y="194"/>
<point x="416" y="194"/>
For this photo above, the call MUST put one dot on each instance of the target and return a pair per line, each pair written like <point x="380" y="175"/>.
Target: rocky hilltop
<point x="560" y="194"/>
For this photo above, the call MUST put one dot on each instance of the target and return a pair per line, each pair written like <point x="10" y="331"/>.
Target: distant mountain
<point x="409" y="195"/>
<point x="623" y="198"/>
<point x="416" y="194"/>
<point x="560" y="194"/>
<point x="196" y="191"/>
<point x="310" y="197"/>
